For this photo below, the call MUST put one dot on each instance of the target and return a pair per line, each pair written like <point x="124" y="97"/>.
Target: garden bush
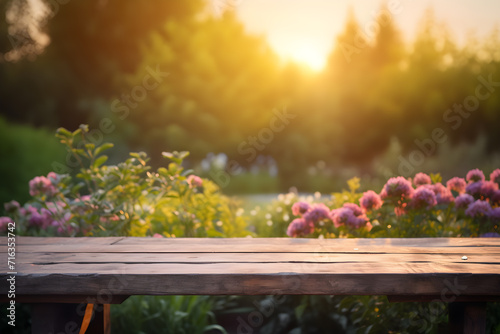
<point x="25" y="153"/>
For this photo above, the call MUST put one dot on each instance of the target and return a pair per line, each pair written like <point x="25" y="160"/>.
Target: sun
<point x="307" y="52"/>
<point x="309" y="57"/>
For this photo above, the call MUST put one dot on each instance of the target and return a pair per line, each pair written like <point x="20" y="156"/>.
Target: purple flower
<point x="423" y="198"/>
<point x="370" y="201"/>
<point x="478" y="208"/>
<point x="495" y="198"/>
<point x="316" y="213"/>
<point x="421" y="178"/>
<point x="194" y="181"/>
<point x="462" y="201"/>
<point x="474" y="189"/>
<point x="345" y="216"/>
<point x="456" y="184"/>
<point x="475" y="175"/>
<point x="4" y="223"/>
<point x="397" y="188"/>
<point x="490" y="235"/>
<point x="494" y="214"/>
<point x="299" y="208"/>
<point x="299" y="227"/>
<point x="495" y="176"/>
<point x="488" y="188"/>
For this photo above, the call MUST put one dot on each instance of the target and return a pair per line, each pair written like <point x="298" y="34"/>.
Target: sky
<point x="305" y="30"/>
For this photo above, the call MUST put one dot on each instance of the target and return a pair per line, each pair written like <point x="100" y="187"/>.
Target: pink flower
<point x="109" y="219"/>
<point x="316" y="213"/>
<point x="456" y="184"/>
<point x="299" y="208"/>
<point x="475" y="175"/>
<point x="299" y="227"/>
<point x="443" y="194"/>
<point x="495" y="176"/>
<point x="356" y="210"/>
<point x="4" y="223"/>
<point x="12" y="206"/>
<point x="53" y="177"/>
<point x="423" y="198"/>
<point x="478" y="208"/>
<point x="194" y="181"/>
<point x="462" y="201"/>
<point x="156" y="235"/>
<point x="421" y="178"/>
<point x="41" y="185"/>
<point x="65" y="230"/>
<point x="370" y="201"/>
<point x="397" y="188"/>
<point x="400" y="210"/>
<point x="345" y="216"/>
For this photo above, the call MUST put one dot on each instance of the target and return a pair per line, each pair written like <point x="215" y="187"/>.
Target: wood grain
<point x="107" y="267"/>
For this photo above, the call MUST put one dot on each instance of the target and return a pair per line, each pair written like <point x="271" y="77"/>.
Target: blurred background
<point x="266" y="95"/>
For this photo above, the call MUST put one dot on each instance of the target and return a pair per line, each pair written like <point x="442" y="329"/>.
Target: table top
<point x="124" y="266"/>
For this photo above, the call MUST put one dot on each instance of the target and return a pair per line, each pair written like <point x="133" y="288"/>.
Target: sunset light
<point x="164" y="154"/>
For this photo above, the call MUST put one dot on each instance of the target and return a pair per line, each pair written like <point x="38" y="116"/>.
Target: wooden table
<point x="55" y="272"/>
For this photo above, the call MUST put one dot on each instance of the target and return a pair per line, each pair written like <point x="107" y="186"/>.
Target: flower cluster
<point x="44" y="186"/>
<point x="421" y="199"/>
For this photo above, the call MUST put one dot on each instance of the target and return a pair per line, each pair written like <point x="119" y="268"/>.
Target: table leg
<point x="467" y="318"/>
<point x="61" y="318"/>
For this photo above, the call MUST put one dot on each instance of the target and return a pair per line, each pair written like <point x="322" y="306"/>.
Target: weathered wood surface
<point x="114" y="267"/>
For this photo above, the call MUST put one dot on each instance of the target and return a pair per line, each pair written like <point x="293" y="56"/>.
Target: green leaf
<point x="63" y="133"/>
<point x="163" y="171"/>
<point x="99" y="161"/>
<point x="299" y="310"/>
<point x="102" y="148"/>
<point x="183" y="155"/>
<point x="89" y="146"/>
<point x="172" y="157"/>
<point x="187" y="172"/>
<point x="215" y="327"/>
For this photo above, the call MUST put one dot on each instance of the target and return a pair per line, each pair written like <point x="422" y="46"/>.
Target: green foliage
<point x="172" y="314"/>
<point x="125" y="199"/>
<point x="25" y="153"/>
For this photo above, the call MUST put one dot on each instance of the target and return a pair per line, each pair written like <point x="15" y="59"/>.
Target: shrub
<point x="124" y="199"/>
<point x="25" y="153"/>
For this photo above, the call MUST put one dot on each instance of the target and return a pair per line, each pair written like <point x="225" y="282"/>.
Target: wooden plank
<point x="264" y="268"/>
<point x="344" y="242"/>
<point x="165" y="283"/>
<point x="133" y="258"/>
<point x="251" y="248"/>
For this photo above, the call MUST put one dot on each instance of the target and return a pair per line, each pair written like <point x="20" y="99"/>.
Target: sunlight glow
<point x="308" y="55"/>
